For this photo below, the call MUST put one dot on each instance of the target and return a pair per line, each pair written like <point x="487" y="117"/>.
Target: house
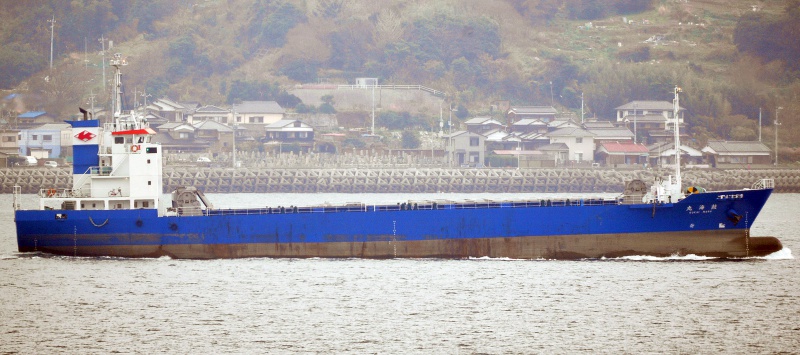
<point x="170" y="110"/>
<point x="559" y="152"/>
<point x="645" y="116"/>
<point x="736" y="153"/>
<point x="643" y="109"/>
<point x="9" y="144"/>
<point x="664" y="154"/>
<point x="292" y="132"/>
<point x="465" y="148"/>
<point x="534" y="140"/>
<point x="364" y="83"/>
<point x="257" y="113"/>
<point x="621" y="153"/>
<point x="580" y="142"/>
<point x="662" y="136"/>
<point x="593" y="124"/>
<point x="33" y="119"/>
<point x="481" y="125"/>
<point x="614" y="134"/>
<point x="529" y="125"/>
<point x="562" y="123"/>
<point x="499" y="139"/>
<point x="154" y="120"/>
<point x="542" y="113"/>
<point x="217" y="136"/>
<point x="210" y="113"/>
<point x="178" y="137"/>
<point x="45" y="141"/>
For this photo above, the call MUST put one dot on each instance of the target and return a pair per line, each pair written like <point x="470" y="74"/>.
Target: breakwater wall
<point x="411" y="180"/>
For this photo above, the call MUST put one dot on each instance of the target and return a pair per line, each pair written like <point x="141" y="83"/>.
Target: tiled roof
<point x="736" y="147"/>
<point x="554" y="147"/>
<point x="212" y="125"/>
<point x="648" y="105"/>
<point x="632" y="148"/>
<point x="570" y="132"/>
<point x="258" y="107"/>
<point x="481" y="120"/>
<point x="529" y="122"/>
<point x="211" y="109"/>
<point x="605" y="133"/>
<point x="32" y="114"/>
<point x="533" y="110"/>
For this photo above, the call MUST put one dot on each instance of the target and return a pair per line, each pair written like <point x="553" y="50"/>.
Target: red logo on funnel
<point x="85" y="136"/>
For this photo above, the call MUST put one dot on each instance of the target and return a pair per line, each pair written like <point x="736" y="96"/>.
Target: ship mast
<point x="676" y="107"/>
<point x="117" y="63"/>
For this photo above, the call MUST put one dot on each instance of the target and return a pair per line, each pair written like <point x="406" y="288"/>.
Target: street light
<point x="234" y="139"/>
<point x="451" y="155"/>
<point x="52" y="25"/>
<point x="635" y="107"/>
<point x="776" y="133"/>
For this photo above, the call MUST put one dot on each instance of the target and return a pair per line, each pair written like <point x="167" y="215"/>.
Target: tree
<point x="327" y="105"/>
<point x="770" y="37"/>
<point x="462" y="112"/>
<point x="410" y="140"/>
<point x="259" y="91"/>
<point x="18" y="62"/>
<point x="272" y="21"/>
<point x="304" y="71"/>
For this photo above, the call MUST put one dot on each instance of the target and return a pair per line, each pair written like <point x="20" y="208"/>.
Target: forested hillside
<point x="730" y="57"/>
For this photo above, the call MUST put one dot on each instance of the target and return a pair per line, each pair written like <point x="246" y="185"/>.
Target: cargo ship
<point x="116" y="208"/>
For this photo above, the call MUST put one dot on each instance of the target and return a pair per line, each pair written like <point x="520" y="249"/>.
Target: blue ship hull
<point x="702" y="224"/>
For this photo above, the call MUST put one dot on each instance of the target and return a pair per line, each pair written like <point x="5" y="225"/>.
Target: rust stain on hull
<point x="718" y="244"/>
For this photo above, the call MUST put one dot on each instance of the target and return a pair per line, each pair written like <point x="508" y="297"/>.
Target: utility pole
<point x="91" y="101"/>
<point x="450" y="156"/>
<point x="145" y="95"/>
<point x="776" y="133"/>
<point x="581" y="107"/>
<point x="102" y="40"/>
<point x="234" y="139"/>
<point x="441" y="121"/>
<point x="551" y="94"/>
<point x="635" y="107"/>
<point x="759" y="124"/>
<point x="52" y="26"/>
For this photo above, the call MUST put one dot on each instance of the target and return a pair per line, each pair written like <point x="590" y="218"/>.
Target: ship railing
<point x="404" y="206"/>
<point x="60" y="193"/>
<point x="17" y="201"/>
<point x="93" y="170"/>
<point x="764" y="184"/>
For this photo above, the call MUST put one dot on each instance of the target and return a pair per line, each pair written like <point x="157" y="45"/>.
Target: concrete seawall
<point x="410" y="180"/>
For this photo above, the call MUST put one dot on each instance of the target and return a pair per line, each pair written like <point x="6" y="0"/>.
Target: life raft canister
<point x="694" y="190"/>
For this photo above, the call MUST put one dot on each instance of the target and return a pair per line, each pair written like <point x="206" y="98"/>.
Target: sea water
<point x="685" y="304"/>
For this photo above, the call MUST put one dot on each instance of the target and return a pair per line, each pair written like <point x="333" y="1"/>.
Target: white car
<point x="50" y="164"/>
<point x="203" y="160"/>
